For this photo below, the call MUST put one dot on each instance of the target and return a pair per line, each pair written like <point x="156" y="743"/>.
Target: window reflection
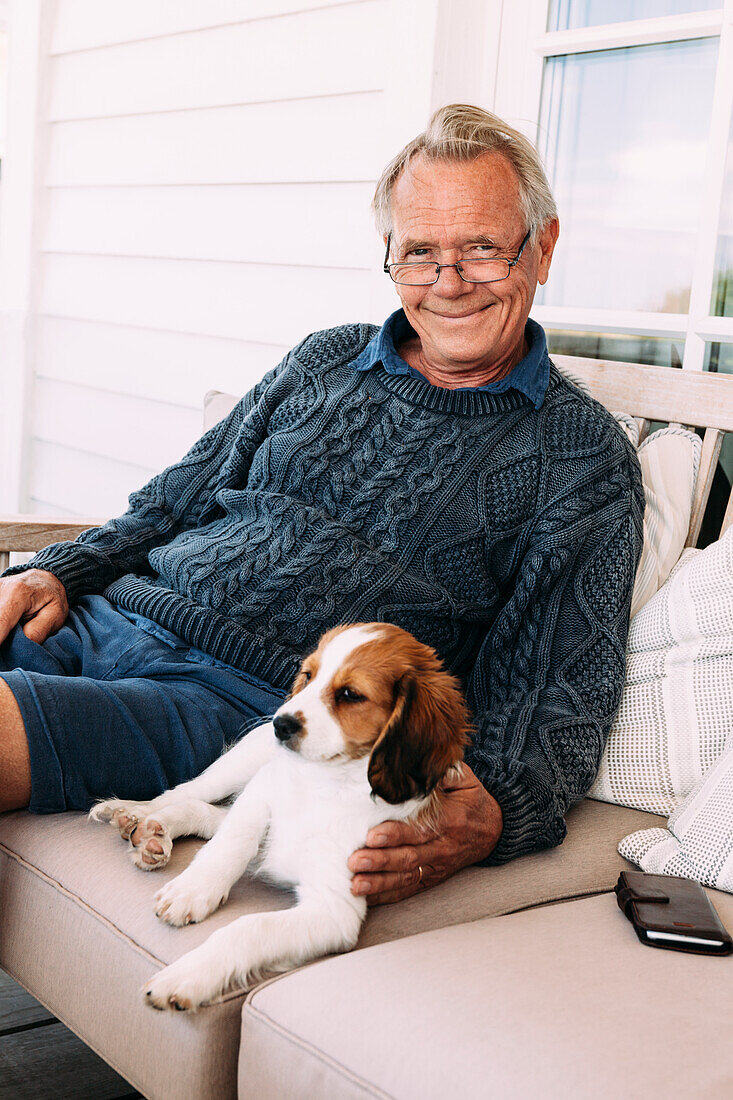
<point x="625" y="134"/>
<point x="569" y="14"/>
<point x="722" y="303"/>
<point x="719" y="357"/>
<point x="653" y="350"/>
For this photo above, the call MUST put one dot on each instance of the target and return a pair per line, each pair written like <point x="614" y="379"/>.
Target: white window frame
<point x="525" y="44"/>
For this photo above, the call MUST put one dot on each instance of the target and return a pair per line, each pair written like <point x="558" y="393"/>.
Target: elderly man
<point x="437" y="473"/>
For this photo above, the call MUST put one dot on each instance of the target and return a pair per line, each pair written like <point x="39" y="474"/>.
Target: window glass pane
<point x="625" y="135"/>
<point x="719" y="357"/>
<point x="654" y="350"/>
<point x="568" y="14"/>
<point x="722" y="303"/>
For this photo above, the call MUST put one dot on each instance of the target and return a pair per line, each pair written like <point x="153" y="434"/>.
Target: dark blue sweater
<point x="503" y="535"/>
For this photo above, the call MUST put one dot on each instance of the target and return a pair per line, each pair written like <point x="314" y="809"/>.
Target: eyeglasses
<point x="422" y="273"/>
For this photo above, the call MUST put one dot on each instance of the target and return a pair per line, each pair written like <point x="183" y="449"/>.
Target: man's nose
<point x="450" y="284"/>
<point x="286" y="726"/>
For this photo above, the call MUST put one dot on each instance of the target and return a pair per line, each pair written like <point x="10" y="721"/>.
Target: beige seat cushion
<point x="557" y="1002"/>
<point x="78" y="931"/>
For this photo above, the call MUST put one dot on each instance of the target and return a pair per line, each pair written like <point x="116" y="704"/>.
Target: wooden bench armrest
<point x="23" y="533"/>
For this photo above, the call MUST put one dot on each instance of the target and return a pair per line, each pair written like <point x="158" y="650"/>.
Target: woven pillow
<point x="676" y="710"/>
<point x="698" y="840"/>
<point x="669" y="462"/>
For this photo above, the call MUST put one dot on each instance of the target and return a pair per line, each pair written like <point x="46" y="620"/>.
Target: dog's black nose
<point x="286" y="726"/>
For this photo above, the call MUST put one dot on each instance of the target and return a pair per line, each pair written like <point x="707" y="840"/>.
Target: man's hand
<point x="396" y="850"/>
<point x="37" y="599"/>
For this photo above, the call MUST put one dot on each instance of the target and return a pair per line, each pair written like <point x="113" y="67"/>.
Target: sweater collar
<point x="530" y="376"/>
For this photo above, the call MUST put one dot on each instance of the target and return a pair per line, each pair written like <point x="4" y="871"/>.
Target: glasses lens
<point x="484" y="271"/>
<point x="413" y="274"/>
<point x="472" y="271"/>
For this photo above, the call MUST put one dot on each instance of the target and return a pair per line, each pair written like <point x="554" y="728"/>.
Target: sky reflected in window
<point x="570" y="14"/>
<point x="722" y="303"/>
<point x="624" y="136"/>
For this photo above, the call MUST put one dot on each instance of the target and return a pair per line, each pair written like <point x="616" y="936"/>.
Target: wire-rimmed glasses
<point x="423" y="273"/>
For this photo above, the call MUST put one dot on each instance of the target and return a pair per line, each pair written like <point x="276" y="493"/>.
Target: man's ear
<point x="547" y="242"/>
<point x="425" y="734"/>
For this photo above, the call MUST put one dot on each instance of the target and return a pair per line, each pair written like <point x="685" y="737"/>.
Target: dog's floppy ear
<point x="425" y="734"/>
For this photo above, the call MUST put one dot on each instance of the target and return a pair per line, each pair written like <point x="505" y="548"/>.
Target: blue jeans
<point x="116" y="706"/>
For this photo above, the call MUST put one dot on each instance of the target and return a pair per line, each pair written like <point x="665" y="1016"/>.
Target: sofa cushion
<point x="555" y="1002"/>
<point x="78" y="931"/>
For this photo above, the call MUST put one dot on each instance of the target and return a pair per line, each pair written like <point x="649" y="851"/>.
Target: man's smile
<point x="461" y="316"/>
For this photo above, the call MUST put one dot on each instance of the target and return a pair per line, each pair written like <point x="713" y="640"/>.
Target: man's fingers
<point x="14" y="604"/>
<point x="46" y="621"/>
<point x="392" y="834"/>
<point x="401" y="882"/>
<point x="384" y="859"/>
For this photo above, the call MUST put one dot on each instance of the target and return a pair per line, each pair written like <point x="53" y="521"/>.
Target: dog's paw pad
<point x="151" y="845"/>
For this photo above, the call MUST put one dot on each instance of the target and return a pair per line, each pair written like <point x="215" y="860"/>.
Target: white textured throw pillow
<point x="669" y="461"/>
<point x="676" y="711"/>
<point x="698" y="840"/>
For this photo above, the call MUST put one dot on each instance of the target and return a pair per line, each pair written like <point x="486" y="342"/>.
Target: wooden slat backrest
<point x="696" y="399"/>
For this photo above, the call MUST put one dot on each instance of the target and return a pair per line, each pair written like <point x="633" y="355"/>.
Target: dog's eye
<point x="306" y="674"/>
<point x="348" y="695"/>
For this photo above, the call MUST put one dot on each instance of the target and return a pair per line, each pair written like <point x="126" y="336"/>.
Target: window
<point x="631" y="105"/>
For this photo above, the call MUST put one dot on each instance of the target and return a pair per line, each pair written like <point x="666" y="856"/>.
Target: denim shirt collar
<point x="530" y="376"/>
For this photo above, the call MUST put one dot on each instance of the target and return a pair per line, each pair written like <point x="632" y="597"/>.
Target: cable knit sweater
<point x="505" y="536"/>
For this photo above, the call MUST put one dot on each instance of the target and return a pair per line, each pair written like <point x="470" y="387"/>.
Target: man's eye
<point x="481" y="250"/>
<point x="417" y="254"/>
<point x="348" y="695"/>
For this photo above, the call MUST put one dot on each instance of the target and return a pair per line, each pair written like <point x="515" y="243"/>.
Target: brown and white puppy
<point x="372" y="725"/>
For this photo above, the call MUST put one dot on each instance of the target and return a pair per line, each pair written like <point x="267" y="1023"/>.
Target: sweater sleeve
<point x="549" y="674"/>
<point x="178" y="499"/>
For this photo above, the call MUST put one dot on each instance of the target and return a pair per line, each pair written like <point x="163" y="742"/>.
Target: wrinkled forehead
<point x="335" y="651"/>
<point x="481" y="194"/>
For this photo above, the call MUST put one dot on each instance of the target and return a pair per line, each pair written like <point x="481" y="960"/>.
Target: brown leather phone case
<point x="661" y="906"/>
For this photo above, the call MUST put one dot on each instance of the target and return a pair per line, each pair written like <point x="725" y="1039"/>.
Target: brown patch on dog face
<point x="393" y="698"/>
<point x="360" y="700"/>
<point x="311" y="664"/>
<point x="429" y="725"/>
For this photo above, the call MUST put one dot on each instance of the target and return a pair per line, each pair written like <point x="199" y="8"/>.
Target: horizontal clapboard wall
<point x="208" y="174"/>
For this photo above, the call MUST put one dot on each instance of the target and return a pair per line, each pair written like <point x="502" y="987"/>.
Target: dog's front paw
<point x="150" y="845"/>
<point x="150" y="840"/>
<point x="186" y="984"/>
<point x="184" y="900"/>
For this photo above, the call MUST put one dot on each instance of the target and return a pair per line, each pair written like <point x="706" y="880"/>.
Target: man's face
<point x="440" y="211"/>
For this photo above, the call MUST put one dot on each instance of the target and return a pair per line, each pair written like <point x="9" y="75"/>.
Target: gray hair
<point x="462" y="132"/>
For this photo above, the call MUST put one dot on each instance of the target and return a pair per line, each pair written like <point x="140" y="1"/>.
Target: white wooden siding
<point x="133" y="361"/>
<point x="209" y="166"/>
<point x="264" y="303"/>
<point x="325" y="224"/>
<point x="88" y="23"/>
<point x="59" y="488"/>
<point x="242" y="63"/>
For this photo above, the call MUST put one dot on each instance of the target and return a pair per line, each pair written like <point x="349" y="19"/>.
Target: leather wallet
<point x="670" y="912"/>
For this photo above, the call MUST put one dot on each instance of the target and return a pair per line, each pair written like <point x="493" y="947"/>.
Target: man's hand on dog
<point x="387" y="869"/>
<point x="37" y="599"/>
